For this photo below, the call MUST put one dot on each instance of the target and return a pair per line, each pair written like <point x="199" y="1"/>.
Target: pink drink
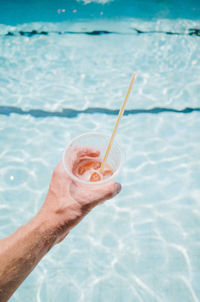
<point x="88" y="170"/>
<point x="83" y="157"/>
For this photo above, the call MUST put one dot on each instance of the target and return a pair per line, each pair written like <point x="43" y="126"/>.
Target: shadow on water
<point x="189" y="32"/>
<point x="72" y="113"/>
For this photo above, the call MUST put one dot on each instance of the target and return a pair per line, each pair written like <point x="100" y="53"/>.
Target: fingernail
<point x="117" y="188"/>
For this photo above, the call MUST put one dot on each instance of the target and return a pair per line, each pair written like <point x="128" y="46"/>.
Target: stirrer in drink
<point x="118" y="121"/>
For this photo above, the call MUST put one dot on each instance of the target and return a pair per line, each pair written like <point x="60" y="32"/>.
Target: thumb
<point x="99" y="195"/>
<point x="109" y="191"/>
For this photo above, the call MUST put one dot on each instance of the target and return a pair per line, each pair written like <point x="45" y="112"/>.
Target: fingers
<point x="80" y="151"/>
<point x="75" y="154"/>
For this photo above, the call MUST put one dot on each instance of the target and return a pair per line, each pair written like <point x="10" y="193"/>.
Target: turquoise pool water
<point x="62" y="74"/>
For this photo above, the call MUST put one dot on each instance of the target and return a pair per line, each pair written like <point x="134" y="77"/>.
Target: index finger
<point x="76" y="153"/>
<point x="80" y="151"/>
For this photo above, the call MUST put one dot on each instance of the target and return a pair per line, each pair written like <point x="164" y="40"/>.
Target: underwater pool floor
<point x="143" y="245"/>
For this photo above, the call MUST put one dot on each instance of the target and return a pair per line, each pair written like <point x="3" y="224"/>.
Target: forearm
<point x="65" y="205"/>
<point x="20" y="253"/>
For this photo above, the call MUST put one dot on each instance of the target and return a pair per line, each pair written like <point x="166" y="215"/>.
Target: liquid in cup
<point x="89" y="170"/>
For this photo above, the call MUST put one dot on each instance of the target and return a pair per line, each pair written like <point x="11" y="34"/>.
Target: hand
<point x="68" y="202"/>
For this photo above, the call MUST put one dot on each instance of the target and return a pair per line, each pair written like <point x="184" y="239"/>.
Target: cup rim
<point x="104" y="181"/>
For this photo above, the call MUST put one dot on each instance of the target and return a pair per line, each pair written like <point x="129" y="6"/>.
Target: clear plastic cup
<point x="96" y="141"/>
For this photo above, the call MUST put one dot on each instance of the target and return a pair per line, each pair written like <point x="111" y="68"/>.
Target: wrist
<point x="51" y="226"/>
<point x="44" y="229"/>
